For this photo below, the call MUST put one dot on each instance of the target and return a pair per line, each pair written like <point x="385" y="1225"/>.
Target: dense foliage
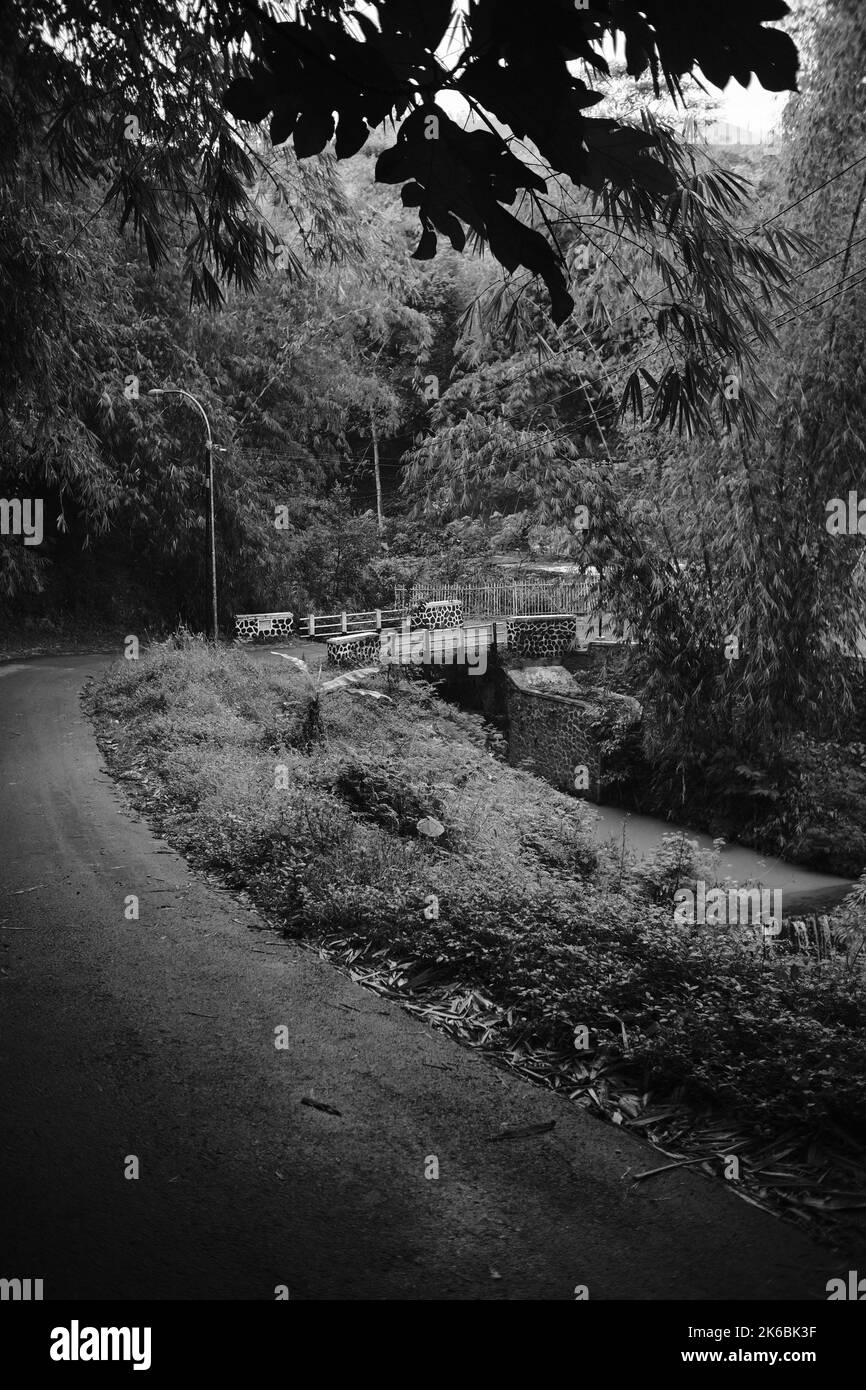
<point x="142" y="122"/>
<point x="379" y="417"/>
<point x="527" y="908"/>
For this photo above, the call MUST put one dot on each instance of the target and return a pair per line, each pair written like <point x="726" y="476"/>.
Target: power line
<point x="814" y="303"/>
<point x="858" y="277"/>
<point x="592" y="419"/>
<point x="832" y="257"/>
<point x="607" y="413"/>
<point x="811" y="193"/>
<point x="808" y="270"/>
<point x="494" y="391"/>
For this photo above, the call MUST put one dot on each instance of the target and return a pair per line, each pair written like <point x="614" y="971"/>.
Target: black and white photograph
<point x="432" y="672"/>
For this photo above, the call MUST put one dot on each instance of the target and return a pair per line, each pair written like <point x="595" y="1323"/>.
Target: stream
<point x="803" y="890"/>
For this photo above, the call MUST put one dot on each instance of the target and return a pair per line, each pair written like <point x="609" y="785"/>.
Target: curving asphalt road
<point x="155" y="1039"/>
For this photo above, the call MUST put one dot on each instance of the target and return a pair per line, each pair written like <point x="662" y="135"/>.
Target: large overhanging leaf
<point x="724" y="38"/>
<point x="334" y="72"/>
<point x="465" y="176"/>
<point x="533" y="92"/>
<point x="307" y="72"/>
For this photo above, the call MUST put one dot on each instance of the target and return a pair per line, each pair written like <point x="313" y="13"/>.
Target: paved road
<point x="156" y="1039"/>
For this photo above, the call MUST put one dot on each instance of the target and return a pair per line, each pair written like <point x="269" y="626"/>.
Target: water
<point x="803" y="890"/>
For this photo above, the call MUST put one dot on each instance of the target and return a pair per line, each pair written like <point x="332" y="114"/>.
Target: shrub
<point x="526" y="906"/>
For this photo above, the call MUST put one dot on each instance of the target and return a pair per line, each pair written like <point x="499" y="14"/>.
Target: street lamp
<point x="211" y="526"/>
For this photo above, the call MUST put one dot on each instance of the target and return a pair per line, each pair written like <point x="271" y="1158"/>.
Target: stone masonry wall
<point x="436" y="613"/>
<point x="547" y="636"/>
<point x="249" y="626"/>
<point x="355" y="649"/>
<point x="551" y="732"/>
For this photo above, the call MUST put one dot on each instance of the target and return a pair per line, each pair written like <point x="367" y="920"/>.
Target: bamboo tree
<point x="375" y="438"/>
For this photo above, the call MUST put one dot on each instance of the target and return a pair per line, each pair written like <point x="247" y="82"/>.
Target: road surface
<point x="155" y="1040"/>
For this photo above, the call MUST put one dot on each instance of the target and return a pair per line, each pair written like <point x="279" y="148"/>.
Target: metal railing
<point x="506" y="598"/>
<point x="337" y="624"/>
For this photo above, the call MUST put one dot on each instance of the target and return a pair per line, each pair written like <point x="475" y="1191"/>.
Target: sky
<point x="750" y="107"/>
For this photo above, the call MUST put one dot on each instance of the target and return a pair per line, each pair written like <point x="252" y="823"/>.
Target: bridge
<point x="454" y="624"/>
<point x="433" y="633"/>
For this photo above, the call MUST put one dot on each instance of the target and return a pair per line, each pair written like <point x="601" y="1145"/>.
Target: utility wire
<point x="493" y="391"/>
<point x="840" y="289"/>
<point x="785" y="318"/>
<point x="858" y="277"/>
<point x="816" y="299"/>
<point x="811" y="193"/>
<point x="593" y="418"/>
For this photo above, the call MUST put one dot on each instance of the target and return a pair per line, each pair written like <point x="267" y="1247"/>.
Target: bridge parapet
<point x="436" y="614"/>
<point x="248" y="626"/>
<point x="544" y="635"/>
<point x="355" y="649"/>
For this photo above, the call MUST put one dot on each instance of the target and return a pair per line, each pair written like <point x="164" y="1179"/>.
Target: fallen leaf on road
<point x="843" y="1203"/>
<point x="680" y="1163"/>
<point x="523" y="1132"/>
<point x="320" y="1105"/>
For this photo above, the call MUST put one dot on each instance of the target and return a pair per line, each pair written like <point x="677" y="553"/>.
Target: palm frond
<point x="350" y="678"/>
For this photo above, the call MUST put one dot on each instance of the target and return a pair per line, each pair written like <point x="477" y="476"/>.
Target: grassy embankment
<point x="318" y="823"/>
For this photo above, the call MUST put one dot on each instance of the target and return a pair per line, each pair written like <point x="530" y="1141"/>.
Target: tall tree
<point x="81" y="78"/>
<point x="742" y="545"/>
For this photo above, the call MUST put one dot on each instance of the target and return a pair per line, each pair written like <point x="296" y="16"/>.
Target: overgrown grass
<point x="529" y="909"/>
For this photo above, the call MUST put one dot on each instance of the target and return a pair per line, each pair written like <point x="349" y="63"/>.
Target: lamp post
<point x="211" y="526"/>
